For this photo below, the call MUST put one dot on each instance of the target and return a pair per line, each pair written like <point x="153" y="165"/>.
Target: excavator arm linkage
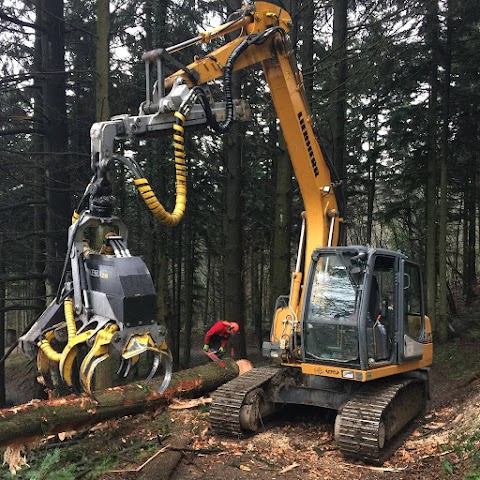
<point x="107" y="294"/>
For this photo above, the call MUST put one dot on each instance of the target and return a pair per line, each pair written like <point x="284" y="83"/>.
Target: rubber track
<point x="360" y="420"/>
<point x="227" y="401"/>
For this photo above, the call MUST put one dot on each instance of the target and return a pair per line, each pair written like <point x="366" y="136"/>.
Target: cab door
<point x="412" y="312"/>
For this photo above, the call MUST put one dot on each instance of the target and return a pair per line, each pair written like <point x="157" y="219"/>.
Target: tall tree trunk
<point x="178" y="293"/>
<point x="307" y="18"/>
<point x="471" y="278"/>
<point x="38" y="248"/>
<point x="102" y="61"/>
<point x="372" y="160"/>
<point x="3" y="399"/>
<point x="233" y="229"/>
<point x="280" y="256"/>
<point x="338" y="87"/>
<point x="431" y="185"/>
<point x="232" y="225"/>
<point x="189" y="274"/>
<point x="103" y="373"/>
<point x="256" y="293"/>
<point x="282" y="220"/>
<point x="465" y="223"/>
<point x="156" y="33"/>
<point x="207" y="286"/>
<point x="442" y="320"/>
<point x="56" y="137"/>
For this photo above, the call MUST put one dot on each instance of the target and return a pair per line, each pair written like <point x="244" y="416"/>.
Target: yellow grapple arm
<point x="286" y="88"/>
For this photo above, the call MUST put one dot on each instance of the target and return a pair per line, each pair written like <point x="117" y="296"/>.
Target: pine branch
<point x="19" y="22"/>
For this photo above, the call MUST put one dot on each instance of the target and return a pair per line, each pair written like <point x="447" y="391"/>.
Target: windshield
<point x="330" y="328"/>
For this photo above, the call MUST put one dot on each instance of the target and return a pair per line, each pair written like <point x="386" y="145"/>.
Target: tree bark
<point x="442" y="320"/>
<point x="2" y="335"/>
<point x="102" y="61"/>
<point x="38" y="250"/>
<point x="372" y="171"/>
<point x="307" y="20"/>
<point x="232" y="225"/>
<point x="338" y="87"/>
<point x="41" y="418"/>
<point x="103" y="375"/>
<point x="282" y="220"/>
<point x="189" y="274"/>
<point x="431" y="184"/>
<point x="56" y="138"/>
<point x="280" y="256"/>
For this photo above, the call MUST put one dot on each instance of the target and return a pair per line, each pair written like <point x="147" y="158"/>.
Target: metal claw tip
<point x="127" y="368"/>
<point x="168" y="365"/>
<point x="86" y="374"/>
<point x="155" y="364"/>
<point x="120" y="368"/>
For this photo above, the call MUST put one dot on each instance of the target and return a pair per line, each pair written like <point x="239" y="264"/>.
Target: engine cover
<point x="121" y="289"/>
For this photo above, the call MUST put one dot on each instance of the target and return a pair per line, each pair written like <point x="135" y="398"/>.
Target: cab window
<point x="412" y="302"/>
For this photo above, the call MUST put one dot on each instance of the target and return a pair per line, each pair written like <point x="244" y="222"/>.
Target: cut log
<point x="40" y="418"/>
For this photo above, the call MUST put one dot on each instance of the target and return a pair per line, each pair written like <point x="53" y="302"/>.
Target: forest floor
<point x="296" y="444"/>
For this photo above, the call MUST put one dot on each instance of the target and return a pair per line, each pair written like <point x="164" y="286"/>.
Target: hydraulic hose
<point x="47" y="349"/>
<point x="142" y="184"/>
<point x="227" y="81"/>
<point x="145" y="190"/>
<point x="44" y="343"/>
<point x="69" y="318"/>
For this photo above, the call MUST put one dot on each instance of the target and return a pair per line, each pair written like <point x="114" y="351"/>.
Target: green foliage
<point x="467" y="450"/>
<point x="448" y="467"/>
<point x="456" y="362"/>
<point x="50" y="467"/>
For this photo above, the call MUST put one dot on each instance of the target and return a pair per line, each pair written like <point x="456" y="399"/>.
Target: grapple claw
<point x="87" y="371"/>
<point x="127" y="368"/>
<point x="155" y="364"/>
<point x="167" y="364"/>
<point x="121" y="367"/>
<point x="43" y="366"/>
<point x="69" y="354"/>
<point x="98" y="353"/>
<point x="138" y="344"/>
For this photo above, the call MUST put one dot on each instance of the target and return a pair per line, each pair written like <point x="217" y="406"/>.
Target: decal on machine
<point x="98" y="274"/>
<point x="313" y="161"/>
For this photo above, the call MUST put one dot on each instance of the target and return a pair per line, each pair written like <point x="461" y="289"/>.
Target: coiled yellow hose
<point x="69" y="318"/>
<point x="75" y="216"/>
<point x="47" y="349"/>
<point x="44" y="343"/>
<point x="149" y="196"/>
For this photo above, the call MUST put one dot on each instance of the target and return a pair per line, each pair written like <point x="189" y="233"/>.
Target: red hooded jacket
<point x="220" y="329"/>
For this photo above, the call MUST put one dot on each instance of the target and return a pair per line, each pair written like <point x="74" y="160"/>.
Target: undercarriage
<point x="370" y="416"/>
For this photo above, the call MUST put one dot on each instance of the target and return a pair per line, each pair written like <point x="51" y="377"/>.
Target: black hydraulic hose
<point x="132" y="165"/>
<point x="227" y="81"/>
<point x="83" y="203"/>
<point x="65" y="263"/>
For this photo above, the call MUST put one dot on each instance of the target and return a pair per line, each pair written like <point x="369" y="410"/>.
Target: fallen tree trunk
<point x="40" y="418"/>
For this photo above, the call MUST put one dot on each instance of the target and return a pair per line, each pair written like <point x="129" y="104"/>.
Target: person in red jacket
<point x="216" y="338"/>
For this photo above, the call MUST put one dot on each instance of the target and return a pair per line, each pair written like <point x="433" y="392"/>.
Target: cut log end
<point x="244" y="366"/>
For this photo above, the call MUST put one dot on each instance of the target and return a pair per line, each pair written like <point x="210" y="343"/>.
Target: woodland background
<point x="394" y="89"/>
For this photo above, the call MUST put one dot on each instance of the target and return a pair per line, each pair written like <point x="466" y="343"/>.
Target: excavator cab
<point x="363" y="309"/>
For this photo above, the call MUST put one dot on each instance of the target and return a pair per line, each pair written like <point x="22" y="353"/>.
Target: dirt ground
<point x="298" y="443"/>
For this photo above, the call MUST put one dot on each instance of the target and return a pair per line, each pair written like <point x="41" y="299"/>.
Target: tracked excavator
<point x="352" y="334"/>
